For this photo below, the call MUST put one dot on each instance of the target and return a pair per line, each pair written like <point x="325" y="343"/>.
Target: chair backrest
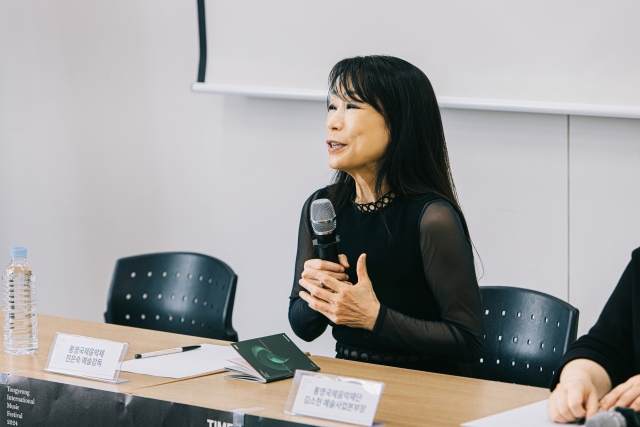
<point x="526" y="333"/>
<point x="184" y="293"/>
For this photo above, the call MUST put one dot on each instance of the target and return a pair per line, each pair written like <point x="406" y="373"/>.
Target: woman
<point x="403" y="239"/>
<point x="601" y="370"/>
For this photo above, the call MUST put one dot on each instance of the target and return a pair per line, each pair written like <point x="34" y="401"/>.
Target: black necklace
<point x="377" y="205"/>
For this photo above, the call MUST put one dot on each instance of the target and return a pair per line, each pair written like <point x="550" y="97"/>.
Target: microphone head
<point x="323" y="216"/>
<point x="607" y="419"/>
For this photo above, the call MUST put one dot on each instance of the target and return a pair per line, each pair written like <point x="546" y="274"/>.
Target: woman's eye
<point x="332" y="107"/>
<point x="350" y="106"/>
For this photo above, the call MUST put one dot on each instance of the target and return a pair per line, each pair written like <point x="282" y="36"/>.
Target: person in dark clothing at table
<point x="601" y="370"/>
<point x="404" y="241"/>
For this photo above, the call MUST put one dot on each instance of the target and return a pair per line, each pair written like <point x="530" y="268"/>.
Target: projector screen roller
<point x="575" y="51"/>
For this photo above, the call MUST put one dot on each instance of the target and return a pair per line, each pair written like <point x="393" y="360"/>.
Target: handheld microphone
<point x="620" y="417"/>
<point x="323" y="222"/>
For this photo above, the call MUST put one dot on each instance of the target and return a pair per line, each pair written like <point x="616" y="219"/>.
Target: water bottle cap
<point x="18" y="252"/>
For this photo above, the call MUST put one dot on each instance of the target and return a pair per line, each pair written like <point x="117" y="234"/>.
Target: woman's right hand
<point x="573" y="399"/>
<point x="313" y="268"/>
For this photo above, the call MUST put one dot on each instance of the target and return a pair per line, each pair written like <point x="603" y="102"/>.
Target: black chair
<point x="526" y="335"/>
<point x="184" y="293"/>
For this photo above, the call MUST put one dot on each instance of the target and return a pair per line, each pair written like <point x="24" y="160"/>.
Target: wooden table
<point x="410" y="398"/>
<point x="140" y="341"/>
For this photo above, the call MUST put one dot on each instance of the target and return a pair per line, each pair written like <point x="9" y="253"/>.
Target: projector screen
<point x="584" y="52"/>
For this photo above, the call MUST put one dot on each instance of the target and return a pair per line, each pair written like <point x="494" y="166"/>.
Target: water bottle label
<point x="86" y="357"/>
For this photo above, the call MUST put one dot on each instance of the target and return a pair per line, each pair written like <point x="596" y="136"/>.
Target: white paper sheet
<point x="534" y="415"/>
<point x="208" y="358"/>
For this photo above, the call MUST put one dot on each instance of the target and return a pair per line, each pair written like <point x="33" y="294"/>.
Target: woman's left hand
<point x="626" y="395"/>
<point x="345" y="304"/>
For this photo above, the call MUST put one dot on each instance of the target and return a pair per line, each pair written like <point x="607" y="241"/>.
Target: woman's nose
<point x="335" y="120"/>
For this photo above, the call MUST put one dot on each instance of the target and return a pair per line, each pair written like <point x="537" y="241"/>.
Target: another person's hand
<point x="626" y="395"/>
<point x="573" y="399"/>
<point x="582" y="383"/>
<point x="345" y="304"/>
<point x="315" y="267"/>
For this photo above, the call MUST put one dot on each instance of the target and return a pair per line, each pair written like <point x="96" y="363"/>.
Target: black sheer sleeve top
<point x="421" y="266"/>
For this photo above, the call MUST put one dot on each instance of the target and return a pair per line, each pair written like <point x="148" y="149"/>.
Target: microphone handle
<point x="328" y="252"/>
<point x="327" y="247"/>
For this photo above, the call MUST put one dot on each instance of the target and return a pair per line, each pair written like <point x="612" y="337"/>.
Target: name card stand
<point x="335" y="398"/>
<point x="85" y="357"/>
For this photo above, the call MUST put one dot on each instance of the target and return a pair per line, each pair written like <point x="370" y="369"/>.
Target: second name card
<point x="336" y="398"/>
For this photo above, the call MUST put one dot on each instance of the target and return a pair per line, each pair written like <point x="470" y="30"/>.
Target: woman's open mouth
<point x="335" y="146"/>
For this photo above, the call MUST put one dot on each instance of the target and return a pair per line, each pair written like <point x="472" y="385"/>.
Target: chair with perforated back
<point x="526" y="333"/>
<point x="184" y="293"/>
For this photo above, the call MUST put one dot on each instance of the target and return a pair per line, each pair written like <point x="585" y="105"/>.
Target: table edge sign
<point x="86" y="357"/>
<point x="335" y="398"/>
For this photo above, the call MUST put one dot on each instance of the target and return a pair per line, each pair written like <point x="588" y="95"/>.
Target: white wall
<point x="105" y="153"/>
<point x="510" y="170"/>
<point x="605" y="208"/>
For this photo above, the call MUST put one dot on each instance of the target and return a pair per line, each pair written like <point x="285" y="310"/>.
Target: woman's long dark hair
<point x="416" y="161"/>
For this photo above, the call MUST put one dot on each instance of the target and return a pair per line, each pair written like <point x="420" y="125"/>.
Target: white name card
<point x="347" y="400"/>
<point x="86" y="357"/>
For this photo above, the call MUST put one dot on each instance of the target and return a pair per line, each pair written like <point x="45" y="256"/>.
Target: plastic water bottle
<point x="19" y="305"/>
